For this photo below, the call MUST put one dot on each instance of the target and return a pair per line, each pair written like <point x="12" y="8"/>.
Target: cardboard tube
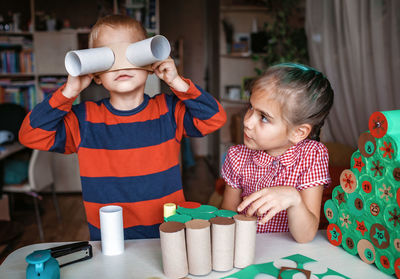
<point x="223" y="243"/>
<point x="245" y="240"/>
<point x="112" y="230"/>
<point x="384" y="122"/>
<point x="388" y="147"/>
<point x="148" y="51"/>
<point x="198" y="241"/>
<point x="88" y="61"/>
<point x="173" y="249"/>
<point x="169" y="209"/>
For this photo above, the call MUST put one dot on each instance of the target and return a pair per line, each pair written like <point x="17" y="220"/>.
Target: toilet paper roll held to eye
<point x="89" y="61"/>
<point x="148" y="51"/>
<point x="119" y="56"/>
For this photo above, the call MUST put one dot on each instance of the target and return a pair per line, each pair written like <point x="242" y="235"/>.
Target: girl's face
<point x="119" y="81"/>
<point x="264" y="127"/>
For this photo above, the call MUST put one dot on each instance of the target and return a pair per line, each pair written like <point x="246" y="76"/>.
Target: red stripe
<point x="191" y="93"/>
<point x="73" y="133"/>
<point x="59" y="101"/>
<point x="35" y="138"/>
<point x="212" y="124"/>
<point x="144" y="213"/>
<point x="128" y="162"/>
<point x="100" y="114"/>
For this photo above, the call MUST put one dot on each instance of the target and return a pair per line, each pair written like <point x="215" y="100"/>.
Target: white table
<point x="142" y="259"/>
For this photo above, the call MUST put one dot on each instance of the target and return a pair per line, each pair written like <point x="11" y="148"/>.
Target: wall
<point x="190" y="20"/>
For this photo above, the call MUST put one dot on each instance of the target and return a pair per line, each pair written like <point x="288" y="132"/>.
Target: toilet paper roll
<point x="223" y="243"/>
<point x="388" y="147"/>
<point x="358" y="164"/>
<point x="245" y="240"/>
<point x="112" y="230"/>
<point x="173" y="249"/>
<point x="366" y="251"/>
<point x="366" y="144"/>
<point x="169" y="209"/>
<point x="88" y="61"/>
<point x="385" y="261"/>
<point x="198" y="241"/>
<point x="348" y="181"/>
<point x="148" y="51"/>
<point x="384" y="122"/>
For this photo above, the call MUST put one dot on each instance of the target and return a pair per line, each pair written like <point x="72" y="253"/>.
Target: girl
<point x="280" y="171"/>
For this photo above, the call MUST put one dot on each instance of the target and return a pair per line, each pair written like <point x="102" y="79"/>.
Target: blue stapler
<point x="42" y="264"/>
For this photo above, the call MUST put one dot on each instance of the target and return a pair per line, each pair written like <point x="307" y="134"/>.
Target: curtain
<point x="356" y="45"/>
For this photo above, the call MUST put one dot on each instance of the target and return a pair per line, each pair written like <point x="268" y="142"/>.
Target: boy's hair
<point x="304" y="94"/>
<point x="116" y="21"/>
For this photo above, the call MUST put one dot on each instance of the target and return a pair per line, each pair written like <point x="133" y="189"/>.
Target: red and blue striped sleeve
<point x="51" y="125"/>
<point x="197" y="113"/>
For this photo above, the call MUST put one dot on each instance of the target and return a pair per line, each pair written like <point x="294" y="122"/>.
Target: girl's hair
<point x="304" y="94"/>
<point x="117" y="21"/>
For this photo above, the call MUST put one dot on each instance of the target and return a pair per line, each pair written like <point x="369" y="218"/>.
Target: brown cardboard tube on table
<point x="223" y="243"/>
<point x="245" y="240"/>
<point x="173" y="249"/>
<point x="198" y="241"/>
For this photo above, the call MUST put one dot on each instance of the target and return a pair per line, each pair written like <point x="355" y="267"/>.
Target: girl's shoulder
<point x="308" y="146"/>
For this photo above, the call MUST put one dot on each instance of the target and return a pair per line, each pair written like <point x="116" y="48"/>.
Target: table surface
<point x="142" y="259"/>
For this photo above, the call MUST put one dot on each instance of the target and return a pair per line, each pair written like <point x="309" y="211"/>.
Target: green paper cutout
<point x="300" y="260"/>
<point x="204" y="208"/>
<point x="181" y="218"/>
<point x="225" y="213"/>
<point x="268" y="268"/>
<point x="203" y="216"/>
<point x="331" y="272"/>
<point x="183" y="210"/>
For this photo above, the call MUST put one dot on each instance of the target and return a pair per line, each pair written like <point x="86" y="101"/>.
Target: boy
<point x="128" y="145"/>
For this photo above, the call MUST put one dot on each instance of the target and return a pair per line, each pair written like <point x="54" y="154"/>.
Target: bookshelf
<point x="237" y="67"/>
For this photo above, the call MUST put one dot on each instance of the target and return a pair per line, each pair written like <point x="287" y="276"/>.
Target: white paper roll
<point x="173" y="249"/>
<point x="223" y="243"/>
<point x="148" y="51"/>
<point x="245" y="240"/>
<point x="112" y="230"/>
<point x="198" y="241"/>
<point x="88" y="61"/>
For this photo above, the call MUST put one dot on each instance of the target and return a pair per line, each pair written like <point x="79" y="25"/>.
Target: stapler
<point x="45" y="264"/>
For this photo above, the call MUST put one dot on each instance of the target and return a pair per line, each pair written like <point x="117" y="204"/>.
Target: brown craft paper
<point x="173" y="249"/>
<point x="198" y="241"/>
<point x="245" y="240"/>
<point x="223" y="243"/>
<point x="120" y="60"/>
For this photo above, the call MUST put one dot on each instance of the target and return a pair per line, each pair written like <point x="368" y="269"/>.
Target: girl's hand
<point x="166" y="70"/>
<point x="75" y="85"/>
<point x="270" y="200"/>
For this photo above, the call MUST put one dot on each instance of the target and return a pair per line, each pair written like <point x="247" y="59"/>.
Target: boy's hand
<point x="270" y="200"/>
<point x="75" y="85"/>
<point x="166" y="70"/>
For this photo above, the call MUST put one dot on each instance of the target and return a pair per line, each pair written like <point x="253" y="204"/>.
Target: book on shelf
<point x="16" y="55"/>
<point x="22" y="92"/>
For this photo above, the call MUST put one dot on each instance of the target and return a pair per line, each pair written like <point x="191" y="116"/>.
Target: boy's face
<point x="264" y="127"/>
<point x="125" y="80"/>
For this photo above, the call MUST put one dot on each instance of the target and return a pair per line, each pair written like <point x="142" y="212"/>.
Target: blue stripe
<point x="203" y="107"/>
<point x="190" y="129"/>
<point x="137" y="232"/>
<point x="131" y="189"/>
<point x="52" y="116"/>
<point x="128" y="135"/>
<point x="60" y="139"/>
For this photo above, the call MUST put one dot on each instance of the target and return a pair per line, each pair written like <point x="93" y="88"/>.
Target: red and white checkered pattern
<point x="302" y="166"/>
